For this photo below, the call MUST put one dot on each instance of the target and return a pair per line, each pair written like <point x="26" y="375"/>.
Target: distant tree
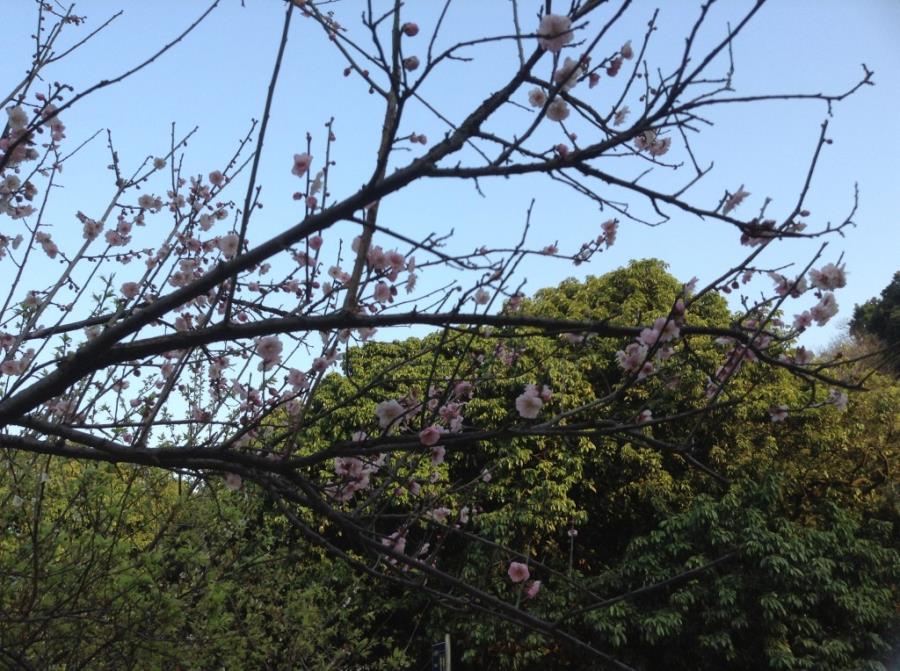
<point x="880" y="318"/>
<point x="587" y="508"/>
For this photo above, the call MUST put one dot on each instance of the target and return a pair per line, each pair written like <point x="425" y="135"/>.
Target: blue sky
<point x="217" y="79"/>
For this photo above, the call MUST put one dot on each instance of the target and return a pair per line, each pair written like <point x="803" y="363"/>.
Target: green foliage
<point x="130" y="568"/>
<point x="880" y="317"/>
<point x="813" y="594"/>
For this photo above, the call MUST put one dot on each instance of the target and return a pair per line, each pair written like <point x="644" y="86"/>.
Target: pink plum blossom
<point x="566" y="76"/>
<point x="735" y="199"/>
<point x="803" y="320"/>
<point x="130" y="289"/>
<point x="555" y="32"/>
<point x="558" y="110"/>
<point x="529" y="403"/>
<point x="828" y="277"/>
<point x="537" y="97"/>
<point x="229" y="245"/>
<point x="430" y="436"/>
<point x="301" y="164"/>
<point x="824" y="310"/>
<point x="532" y="589"/>
<point x="297" y="379"/>
<point x="382" y="293"/>
<point x="269" y="348"/>
<point x="778" y="413"/>
<point x="387" y="412"/>
<point x="518" y="572"/>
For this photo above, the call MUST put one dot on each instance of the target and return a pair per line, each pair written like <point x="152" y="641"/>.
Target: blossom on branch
<point x="518" y="572"/>
<point x="555" y="32"/>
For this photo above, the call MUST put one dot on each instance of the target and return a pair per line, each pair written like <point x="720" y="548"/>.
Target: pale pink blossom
<point x="233" y="481"/>
<point x="537" y="97"/>
<point x="529" y="403"/>
<point x="297" y="379"/>
<point x="620" y="115"/>
<point x="387" y="412"/>
<point x="148" y="201"/>
<point x="735" y="199"/>
<point x="439" y="514"/>
<point x="18" y="117"/>
<point x="627" y="51"/>
<point x="396" y="542"/>
<point x="229" y="245"/>
<point x="395" y="260"/>
<point x="518" y="572"/>
<point x="437" y="454"/>
<point x="650" y="142"/>
<point x="463" y="389"/>
<point x="382" y="293"/>
<point x="615" y="65"/>
<point x="558" y="110"/>
<point x="785" y="287"/>
<point x="803" y="320"/>
<point x="828" y="277"/>
<point x="430" y="436"/>
<point x="91" y="229"/>
<point x="633" y="357"/>
<point x="49" y="247"/>
<point x="825" y="309"/>
<point x="778" y="413"/>
<point x="130" y="289"/>
<point x="532" y="589"/>
<point x="555" y="32"/>
<point x="566" y="76"/>
<point x="482" y="297"/>
<point x="269" y="349"/>
<point x="301" y="164"/>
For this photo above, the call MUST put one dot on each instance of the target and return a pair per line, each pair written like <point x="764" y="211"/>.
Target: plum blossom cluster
<point x="555" y="32"/>
<point x="531" y="400"/>
<point x="653" y="344"/>
<point x="652" y="143"/>
<point x="824" y="279"/>
<point x="738" y="354"/>
<point x="16" y="366"/>
<point x="355" y="475"/>
<point x="518" y="573"/>
<point x="15" y="197"/>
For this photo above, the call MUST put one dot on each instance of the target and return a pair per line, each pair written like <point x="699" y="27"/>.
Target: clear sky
<point x="217" y="78"/>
